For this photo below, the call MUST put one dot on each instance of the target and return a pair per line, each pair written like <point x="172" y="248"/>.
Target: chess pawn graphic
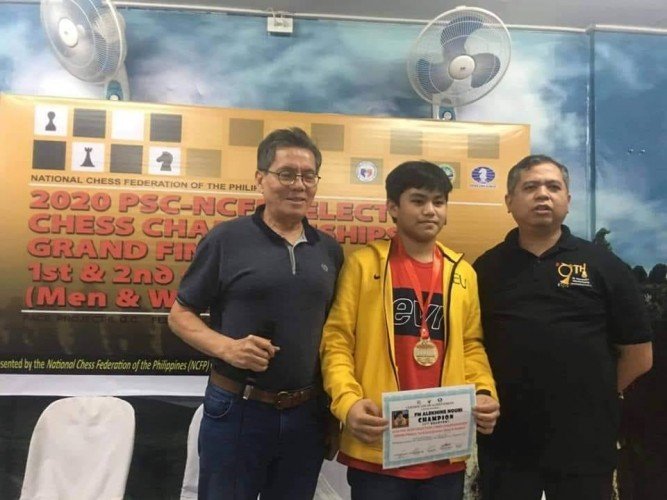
<point x="50" y="127"/>
<point x="88" y="162"/>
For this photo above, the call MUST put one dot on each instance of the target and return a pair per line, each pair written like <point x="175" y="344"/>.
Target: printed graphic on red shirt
<point x="408" y="321"/>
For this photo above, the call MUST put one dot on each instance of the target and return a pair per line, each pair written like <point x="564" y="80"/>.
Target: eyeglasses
<point x="288" y="177"/>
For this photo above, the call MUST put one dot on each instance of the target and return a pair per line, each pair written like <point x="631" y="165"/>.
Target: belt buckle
<point x="281" y="399"/>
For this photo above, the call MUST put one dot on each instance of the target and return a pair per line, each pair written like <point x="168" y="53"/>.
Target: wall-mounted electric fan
<point x="88" y="38"/>
<point x="458" y="58"/>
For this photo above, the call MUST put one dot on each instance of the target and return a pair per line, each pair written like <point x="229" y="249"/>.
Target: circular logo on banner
<point x="366" y="171"/>
<point x="449" y="170"/>
<point x="483" y="174"/>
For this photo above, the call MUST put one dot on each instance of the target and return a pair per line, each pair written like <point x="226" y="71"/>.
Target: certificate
<point x="426" y="425"/>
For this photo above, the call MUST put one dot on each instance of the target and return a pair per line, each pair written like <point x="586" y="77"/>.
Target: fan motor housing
<point x="461" y="67"/>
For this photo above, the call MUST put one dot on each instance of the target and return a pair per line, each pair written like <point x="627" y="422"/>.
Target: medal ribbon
<point x="424" y="332"/>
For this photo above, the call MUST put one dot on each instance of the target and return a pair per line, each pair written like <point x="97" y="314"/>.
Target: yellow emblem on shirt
<point x="572" y="275"/>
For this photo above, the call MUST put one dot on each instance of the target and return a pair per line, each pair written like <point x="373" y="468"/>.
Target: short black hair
<point x="419" y="175"/>
<point x="285" y="138"/>
<point x="529" y="162"/>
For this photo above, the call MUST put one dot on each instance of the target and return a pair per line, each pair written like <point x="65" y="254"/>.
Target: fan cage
<point x="101" y="48"/>
<point x="480" y="31"/>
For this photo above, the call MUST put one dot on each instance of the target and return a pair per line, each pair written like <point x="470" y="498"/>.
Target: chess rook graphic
<point x="87" y="162"/>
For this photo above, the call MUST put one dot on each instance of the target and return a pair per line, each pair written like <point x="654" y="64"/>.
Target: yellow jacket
<point x="357" y="350"/>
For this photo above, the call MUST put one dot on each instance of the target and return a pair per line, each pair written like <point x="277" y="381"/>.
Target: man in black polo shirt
<point x="565" y="331"/>
<point x="268" y="281"/>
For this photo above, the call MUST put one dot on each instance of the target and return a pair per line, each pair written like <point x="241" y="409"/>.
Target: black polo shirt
<point x="550" y="324"/>
<point x="252" y="280"/>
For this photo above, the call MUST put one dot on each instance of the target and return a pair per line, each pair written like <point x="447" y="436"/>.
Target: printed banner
<point x="104" y="202"/>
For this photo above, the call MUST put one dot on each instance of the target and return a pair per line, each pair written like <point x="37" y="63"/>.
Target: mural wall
<point x="344" y="67"/>
<point x="358" y="68"/>
<point x="631" y="151"/>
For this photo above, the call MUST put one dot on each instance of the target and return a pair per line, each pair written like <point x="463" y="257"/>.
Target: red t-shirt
<point x="411" y="375"/>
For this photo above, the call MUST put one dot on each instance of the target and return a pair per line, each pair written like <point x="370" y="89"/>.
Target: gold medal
<point x="425" y="352"/>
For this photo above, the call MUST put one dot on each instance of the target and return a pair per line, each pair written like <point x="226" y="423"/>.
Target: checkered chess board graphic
<point x="107" y="140"/>
<point x="114" y="141"/>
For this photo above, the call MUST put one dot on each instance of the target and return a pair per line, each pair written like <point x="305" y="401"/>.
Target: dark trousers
<point x="371" y="486"/>
<point x="248" y="448"/>
<point x="642" y="473"/>
<point x="504" y="480"/>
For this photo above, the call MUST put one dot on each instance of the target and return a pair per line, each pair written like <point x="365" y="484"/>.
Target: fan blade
<point x="453" y="37"/>
<point x="84" y="59"/>
<point x="84" y="51"/>
<point x="433" y="77"/>
<point x="486" y="67"/>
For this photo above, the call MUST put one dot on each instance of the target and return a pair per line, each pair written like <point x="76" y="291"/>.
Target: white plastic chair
<point x="191" y="474"/>
<point x="81" y="448"/>
<point x="332" y="483"/>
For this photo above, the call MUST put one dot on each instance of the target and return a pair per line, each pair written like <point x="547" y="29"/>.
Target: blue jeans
<point x="371" y="486"/>
<point x="248" y="448"/>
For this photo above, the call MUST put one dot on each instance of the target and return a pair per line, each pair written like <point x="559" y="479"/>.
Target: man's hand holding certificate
<point x="427" y="425"/>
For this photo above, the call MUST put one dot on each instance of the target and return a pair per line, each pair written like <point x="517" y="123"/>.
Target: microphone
<point x="266" y="331"/>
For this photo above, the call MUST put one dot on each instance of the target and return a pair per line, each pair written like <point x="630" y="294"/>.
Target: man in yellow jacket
<point x="406" y="316"/>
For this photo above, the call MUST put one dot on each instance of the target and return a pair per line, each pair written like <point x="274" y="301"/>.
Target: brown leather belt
<point x="281" y="400"/>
